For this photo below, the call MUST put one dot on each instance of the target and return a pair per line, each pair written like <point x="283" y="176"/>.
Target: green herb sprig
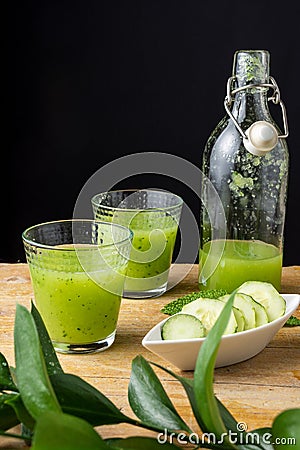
<point x="60" y="410"/>
<point x="175" y="306"/>
<point x="292" y="321"/>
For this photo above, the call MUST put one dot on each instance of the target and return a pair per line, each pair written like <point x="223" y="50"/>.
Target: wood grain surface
<point x="255" y="391"/>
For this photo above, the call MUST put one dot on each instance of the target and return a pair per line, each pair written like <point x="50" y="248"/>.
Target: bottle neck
<point x="249" y="105"/>
<point x="251" y="67"/>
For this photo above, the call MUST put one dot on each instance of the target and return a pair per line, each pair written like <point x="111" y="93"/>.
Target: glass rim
<point x="83" y="248"/>
<point x="116" y="208"/>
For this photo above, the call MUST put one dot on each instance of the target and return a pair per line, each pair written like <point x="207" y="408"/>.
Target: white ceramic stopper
<point x="262" y="137"/>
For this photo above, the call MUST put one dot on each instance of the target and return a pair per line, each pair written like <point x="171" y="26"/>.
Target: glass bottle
<point x="245" y="161"/>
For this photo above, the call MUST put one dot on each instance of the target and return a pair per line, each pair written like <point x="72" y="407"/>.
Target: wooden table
<point x="255" y="391"/>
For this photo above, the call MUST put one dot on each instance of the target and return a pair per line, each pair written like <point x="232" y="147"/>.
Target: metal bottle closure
<point x="261" y="137"/>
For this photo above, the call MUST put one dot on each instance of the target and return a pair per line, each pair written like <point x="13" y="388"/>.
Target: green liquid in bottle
<point x="240" y="261"/>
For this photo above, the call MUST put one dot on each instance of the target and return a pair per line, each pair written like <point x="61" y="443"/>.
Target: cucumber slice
<point x="265" y="294"/>
<point x="207" y="310"/>
<point x="182" y="326"/>
<point x="245" y="304"/>
<point x="239" y="317"/>
<point x="261" y="316"/>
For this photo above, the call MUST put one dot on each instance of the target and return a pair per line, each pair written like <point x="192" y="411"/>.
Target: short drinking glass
<point x="153" y="217"/>
<point x="77" y="269"/>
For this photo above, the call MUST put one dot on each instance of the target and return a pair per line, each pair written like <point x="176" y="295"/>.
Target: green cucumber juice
<point x="152" y="249"/>
<point x="75" y="308"/>
<point x="241" y="261"/>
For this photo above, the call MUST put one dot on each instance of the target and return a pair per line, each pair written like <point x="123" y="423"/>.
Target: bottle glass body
<point x="252" y="189"/>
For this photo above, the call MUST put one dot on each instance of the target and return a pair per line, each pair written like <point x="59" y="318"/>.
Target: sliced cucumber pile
<point x="208" y="310"/>
<point x="265" y="294"/>
<point x="256" y="303"/>
<point x="245" y="304"/>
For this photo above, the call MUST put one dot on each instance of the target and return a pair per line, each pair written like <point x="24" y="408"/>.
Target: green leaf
<point x="32" y="377"/>
<point x="23" y="415"/>
<point x="228" y="419"/>
<point x="286" y="430"/>
<point x="6" y="381"/>
<point x="139" y="443"/>
<point x="79" y="398"/>
<point x="64" y="432"/>
<point x="8" y="417"/>
<point x="205" y="400"/>
<point x="27" y="433"/>
<point x="51" y="360"/>
<point x="149" y="400"/>
<point x="188" y="385"/>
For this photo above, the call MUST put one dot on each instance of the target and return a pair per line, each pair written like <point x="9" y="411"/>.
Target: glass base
<point x="92" y="347"/>
<point x="140" y="295"/>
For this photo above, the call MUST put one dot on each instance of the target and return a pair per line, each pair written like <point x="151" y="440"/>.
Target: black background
<point x="92" y="81"/>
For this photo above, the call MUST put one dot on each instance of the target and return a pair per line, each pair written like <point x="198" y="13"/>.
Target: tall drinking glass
<point x="77" y="269"/>
<point x="153" y="217"/>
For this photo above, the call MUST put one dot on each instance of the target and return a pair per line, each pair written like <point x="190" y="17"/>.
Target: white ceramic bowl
<point x="234" y="348"/>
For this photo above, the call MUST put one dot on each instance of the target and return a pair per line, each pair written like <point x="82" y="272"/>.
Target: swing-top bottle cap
<point x="262" y="137"/>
